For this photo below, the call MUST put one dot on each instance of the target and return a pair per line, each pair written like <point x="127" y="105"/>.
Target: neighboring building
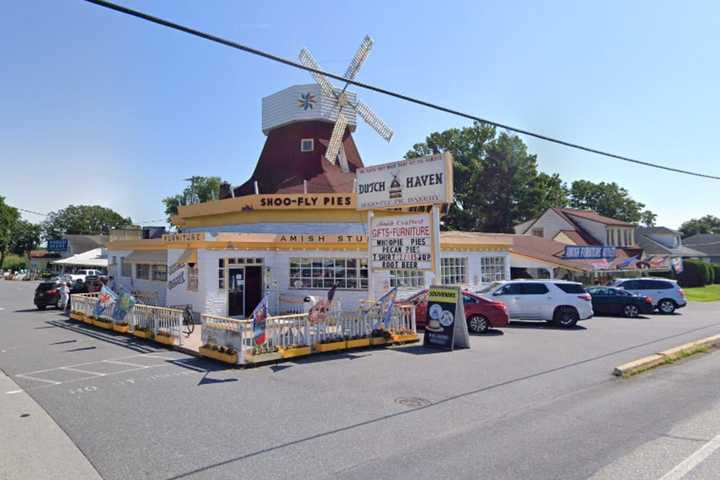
<point x="664" y="242"/>
<point x="41" y="260"/>
<point x="707" y="243"/>
<point x="580" y="227"/>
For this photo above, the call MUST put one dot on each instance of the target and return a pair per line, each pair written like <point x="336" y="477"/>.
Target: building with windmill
<point x="292" y="229"/>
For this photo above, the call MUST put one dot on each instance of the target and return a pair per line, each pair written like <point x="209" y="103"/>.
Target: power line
<point x="291" y="63"/>
<point x="30" y="211"/>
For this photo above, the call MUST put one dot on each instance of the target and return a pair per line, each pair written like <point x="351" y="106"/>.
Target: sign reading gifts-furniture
<point x="402" y="242"/>
<point x="446" y="327"/>
<point x="416" y="181"/>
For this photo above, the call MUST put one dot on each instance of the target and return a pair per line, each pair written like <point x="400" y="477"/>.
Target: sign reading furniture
<point x="402" y="242"/>
<point x="416" y="181"/>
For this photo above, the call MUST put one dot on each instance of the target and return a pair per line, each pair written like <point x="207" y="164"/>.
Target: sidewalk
<point x="33" y="445"/>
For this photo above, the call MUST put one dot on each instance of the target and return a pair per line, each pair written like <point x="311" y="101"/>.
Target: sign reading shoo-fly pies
<point x="412" y="182"/>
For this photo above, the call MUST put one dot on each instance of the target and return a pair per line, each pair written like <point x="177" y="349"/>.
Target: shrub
<point x="14" y="262"/>
<point x="696" y="273"/>
<point x="716" y="268"/>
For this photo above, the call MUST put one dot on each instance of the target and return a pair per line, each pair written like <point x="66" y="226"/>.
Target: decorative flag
<point x="389" y="301"/>
<point x="259" y="321"/>
<point x="319" y="311"/>
<point x="658" y="262"/>
<point x="123" y="305"/>
<point x="627" y="262"/>
<point x="677" y="265"/>
<point x="105" y="299"/>
<point x="601" y="264"/>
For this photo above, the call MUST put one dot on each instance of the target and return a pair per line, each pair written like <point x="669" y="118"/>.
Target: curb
<point x="666" y="356"/>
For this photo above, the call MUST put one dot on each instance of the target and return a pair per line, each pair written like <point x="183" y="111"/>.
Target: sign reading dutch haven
<point x="416" y="181"/>
<point x="446" y="327"/>
<point x="582" y="252"/>
<point x="402" y="242"/>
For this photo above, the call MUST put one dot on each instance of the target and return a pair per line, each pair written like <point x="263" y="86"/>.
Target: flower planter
<point x="219" y="356"/>
<point x="379" y="341"/>
<point x="165" y="339"/>
<point x="120" y="328"/>
<point x="358" y="343"/>
<point x="107" y="325"/>
<point x="263" y="357"/>
<point x="330" y="347"/>
<point x="405" y="338"/>
<point x="143" y="333"/>
<point x="77" y="316"/>
<point x="295" y="351"/>
<point x="87" y="319"/>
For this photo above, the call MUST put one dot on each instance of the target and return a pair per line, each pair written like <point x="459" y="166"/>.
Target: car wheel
<point x="477" y="324"/>
<point x="631" y="311"/>
<point x="666" y="306"/>
<point x="566" y="317"/>
<point x="41" y="307"/>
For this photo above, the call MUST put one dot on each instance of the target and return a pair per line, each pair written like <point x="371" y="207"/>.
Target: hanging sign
<point x="416" y="181"/>
<point x="446" y="327"/>
<point x="584" y="252"/>
<point x="58" y="245"/>
<point x="401" y="242"/>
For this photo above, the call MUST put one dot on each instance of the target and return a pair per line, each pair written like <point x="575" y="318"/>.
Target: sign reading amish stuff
<point x="416" y="181"/>
<point x="402" y="242"/>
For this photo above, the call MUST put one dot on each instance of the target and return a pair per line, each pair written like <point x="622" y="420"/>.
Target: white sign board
<point x="416" y="181"/>
<point x="401" y="242"/>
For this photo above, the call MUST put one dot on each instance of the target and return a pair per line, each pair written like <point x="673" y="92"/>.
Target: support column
<point x="371" y="282"/>
<point x="437" y="279"/>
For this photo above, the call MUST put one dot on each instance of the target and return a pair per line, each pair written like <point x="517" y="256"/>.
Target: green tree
<point x="26" y="237"/>
<point x="200" y="189"/>
<point x="608" y="199"/>
<point x="83" y="220"/>
<point x="9" y="217"/>
<point x="648" y="218"/>
<point x="496" y="181"/>
<point x="706" y="224"/>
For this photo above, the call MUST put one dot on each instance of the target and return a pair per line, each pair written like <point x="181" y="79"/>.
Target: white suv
<point x="665" y="294"/>
<point x="557" y="301"/>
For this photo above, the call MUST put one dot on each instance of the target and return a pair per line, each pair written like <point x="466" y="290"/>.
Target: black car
<point x="47" y="294"/>
<point x="617" y="301"/>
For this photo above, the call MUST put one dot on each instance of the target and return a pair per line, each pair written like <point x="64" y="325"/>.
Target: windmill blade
<point x="359" y="58"/>
<point x="336" y="138"/>
<point x="373" y="120"/>
<point x="307" y="59"/>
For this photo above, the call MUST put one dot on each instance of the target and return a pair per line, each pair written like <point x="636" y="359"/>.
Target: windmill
<point x="342" y="105"/>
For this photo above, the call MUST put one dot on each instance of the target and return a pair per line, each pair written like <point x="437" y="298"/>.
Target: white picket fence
<point x="168" y="321"/>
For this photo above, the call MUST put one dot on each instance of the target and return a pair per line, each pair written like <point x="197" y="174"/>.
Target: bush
<point x="696" y="274"/>
<point x="716" y="269"/>
<point x="14" y="263"/>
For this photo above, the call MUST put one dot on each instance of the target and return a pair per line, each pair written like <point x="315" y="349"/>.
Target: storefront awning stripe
<point x="148" y="256"/>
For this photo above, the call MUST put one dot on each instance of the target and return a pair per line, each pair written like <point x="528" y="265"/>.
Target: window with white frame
<point x="407" y="278"/>
<point x="142" y="271"/>
<point x="312" y="272"/>
<point x="159" y="273"/>
<point x="454" y="270"/>
<point x="221" y="273"/>
<point x="193" y="279"/>
<point x="307" y="145"/>
<point x="492" y="269"/>
<point x="125" y="268"/>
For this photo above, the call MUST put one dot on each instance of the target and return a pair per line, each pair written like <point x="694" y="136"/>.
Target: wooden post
<point x="371" y="282"/>
<point x="436" y="263"/>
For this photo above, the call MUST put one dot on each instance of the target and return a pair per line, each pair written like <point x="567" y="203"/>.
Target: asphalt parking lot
<point x="530" y="401"/>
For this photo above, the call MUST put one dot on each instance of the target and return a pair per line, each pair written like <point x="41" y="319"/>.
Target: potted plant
<point x="120" y="327"/>
<point x="404" y="335"/>
<point x="142" y="332"/>
<point x="103" y="323"/>
<point x="329" y="344"/>
<point x="380" y="336"/>
<point x="296" y="350"/>
<point x="164" y="336"/>
<point x="220" y="353"/>
<point x="262" y="353"/>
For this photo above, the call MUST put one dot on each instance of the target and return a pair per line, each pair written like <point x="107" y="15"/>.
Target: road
<point x="530" y="402"/>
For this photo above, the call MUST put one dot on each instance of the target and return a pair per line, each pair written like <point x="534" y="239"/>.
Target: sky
<point x="100" y="108"/>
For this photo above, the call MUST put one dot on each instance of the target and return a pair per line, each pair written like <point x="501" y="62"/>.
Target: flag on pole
<point x="259" y="321"/>
<point x="628" y="261"/>
<point x="677" y="265"/>
<point x="105" y="299"/>
<point x="319" y="311"/>
<point x="601" y="264"/>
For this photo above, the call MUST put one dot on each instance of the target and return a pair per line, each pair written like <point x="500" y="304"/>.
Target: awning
<point x="96" y="257"/>
<point x="157" y="257"/>
<point x="188" y="256"/>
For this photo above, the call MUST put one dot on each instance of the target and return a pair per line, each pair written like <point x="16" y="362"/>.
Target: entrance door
<point x="236" y="291"/>
<point x="253" y="288"/>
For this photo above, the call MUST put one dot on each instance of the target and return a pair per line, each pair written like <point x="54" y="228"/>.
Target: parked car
<point x="617" y="301"/>
<point x="83" y="274"/>
<point x="561" y="302"/>
<point x="480" y="313"/>
<point x="47" y="294"/>
<point x="666" y="295"/>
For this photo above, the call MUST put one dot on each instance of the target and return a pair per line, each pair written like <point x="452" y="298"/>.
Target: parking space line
<point x="117" y="362"/>
<point x="96" y="361"/>
<point x="71" y="369"/>
<point x="29" y="377"/>
<point x="693" y="460"/>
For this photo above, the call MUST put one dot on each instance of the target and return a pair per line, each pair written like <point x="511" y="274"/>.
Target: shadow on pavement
<point x="492" y="332"/>
<point x="115" y="339"/>
<point x="36" y="310"/>
<point x="542" y="326"/>
<point x="80" y="349"/>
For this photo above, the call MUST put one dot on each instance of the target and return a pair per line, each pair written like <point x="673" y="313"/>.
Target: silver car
<point x="665" y="294"/>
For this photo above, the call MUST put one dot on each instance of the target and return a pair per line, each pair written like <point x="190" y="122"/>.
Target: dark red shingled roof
<point x="283" y="168"/>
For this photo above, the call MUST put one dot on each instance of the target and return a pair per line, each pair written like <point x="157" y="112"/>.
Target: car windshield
<point x="489" y="288"/>
<point x="45" y="286"/>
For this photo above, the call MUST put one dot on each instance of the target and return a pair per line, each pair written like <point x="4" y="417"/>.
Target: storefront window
<point x="407" y="278"/>
<point x="192" y="274"/>
<point x="159" y="273"/>
<point x="322" y="273"/>
<point x="142" y="271"/>
<point x="454" y="270"/>
<point x="125" y="268"/>
<point x="492" y="269"/>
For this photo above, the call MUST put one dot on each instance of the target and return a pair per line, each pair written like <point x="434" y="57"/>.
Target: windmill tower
<point x="309" y="145"/>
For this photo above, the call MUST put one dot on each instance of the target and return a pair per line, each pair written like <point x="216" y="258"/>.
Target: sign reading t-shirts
<point x="416" y="181"/>
<point x="402" y="242"/>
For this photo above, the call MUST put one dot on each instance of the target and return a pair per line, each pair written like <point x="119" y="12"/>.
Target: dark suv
<point x="47" y="293"/>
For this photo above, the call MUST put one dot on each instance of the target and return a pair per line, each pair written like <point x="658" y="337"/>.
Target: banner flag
<point x="259" y="321"/>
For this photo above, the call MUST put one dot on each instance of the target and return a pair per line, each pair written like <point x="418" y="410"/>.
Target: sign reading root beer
<point x="402" y="242"/>
<point x="415" y="181"/>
